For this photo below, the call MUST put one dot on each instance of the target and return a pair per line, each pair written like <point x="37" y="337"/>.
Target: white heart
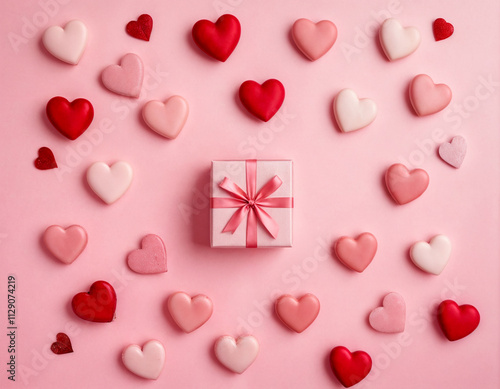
<point x="109" y="183"/>
<point x="236" y="355"/>
<point x="66" y="44"/>
<point x="353" y="113"/>
<point x="146" y="363"/>
<point x="398" y="41"/>
<point x="432" y="257"/>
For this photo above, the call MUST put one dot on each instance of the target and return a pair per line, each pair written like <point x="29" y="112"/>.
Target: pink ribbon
<point x="250" y="204"/>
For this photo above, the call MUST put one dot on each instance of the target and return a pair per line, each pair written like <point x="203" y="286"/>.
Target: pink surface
<point x="339" y="191"/>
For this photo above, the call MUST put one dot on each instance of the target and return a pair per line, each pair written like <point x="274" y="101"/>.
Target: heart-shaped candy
<point x="349" y="368"/>
<point x="237" y="355"/>
<point x="352" y="113"/>
<point x="70" y="119"/>
<point x="314" y="39"/>
<point x="109" y="182"/>
<point x="428" y="98"/>
<point x="297" y="314"/>
<point x="62" y="345"/>
<point x="262" y="101"/>
<point x="125" y="79"/>
<point x="391" y="316"/>
<point x="405" y="185"/>
<point x="65" y="244"/>
<point x="45" y="159"/>
<point x="168" y="118"/>
<point x="151" y="258"/>
<point x="456" y="321"/>
<point x="442" y="29"/>
<point x="66" y="44"/>
<point x="189" y="313"/>
<point x="147" y="362"/>
<point x="432" y="257"/>
<point x="356" y="253"/>
<point x="98" y="305"/>
<point x="140" y="29"/>
<point x="398" y="41"/>
<point x="453" y="153"/>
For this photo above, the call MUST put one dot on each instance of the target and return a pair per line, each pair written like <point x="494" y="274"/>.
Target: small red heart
<point x="98" y="305"/>
<point x="262" y="101"/>
<point x="457" y="321"/>
<point x="62" y="345"/>
<point x="140" y="29"/>
<point x="45" y="159"/>
<point x="349" y="368"/>
<point x="442" y="29"/>
<point x="217" y="39"/>
<point x="70" y="119"/>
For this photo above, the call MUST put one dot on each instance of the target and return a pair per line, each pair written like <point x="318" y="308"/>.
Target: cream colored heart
<point x="147" y="362"/>
<point x="168" y="118"/>
<point x="432" y="257"/>
<point x="398" y="41"/>
<point x="236" y="355"/>
<point x="352" y="113"/>
<point x="68" y="43"/>
<point x="110" y="183"/>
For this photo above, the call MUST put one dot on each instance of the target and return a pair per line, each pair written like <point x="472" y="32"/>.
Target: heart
<point x="453" y="153"/>
<point x="65" y="244"/>
<point x="398" y="41"/>
<point x="404" y="185"/>
<point x="109" y="183"/>
<point x="356" y="253"/>
<point x="147" y="362"/>
<point x="189" y="313"/>
<point x="66" y="44"/>
<point x="432" y="257"/>
<point x="70" y="119"/>
<point x="352" y="113"/>
<point x="297" y="314"/>
<point x="62" y="345"/>
<point x="45" y="159"/>
<point x="314" y="39"/>
<point x="457" y="321"/>
<point x="442" y="29"/>
<point x="428" y="98"/>
<point x="98" y="305"/>
<point x="262" y="101"/>
<point x="349" y="368"/>
<point x="237" y="355"/>
<point x="140" y="29"/>
<point x="125" y="79"/>
<point x="151" y="258"/>
<point x="218" y="39"/>
<point x="391" y="316"/>
<point x="168" y="118"/>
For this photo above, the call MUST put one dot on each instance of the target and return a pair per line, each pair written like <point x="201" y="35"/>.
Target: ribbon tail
<point x="236" y="219"/>
<point x="267" y="221"/>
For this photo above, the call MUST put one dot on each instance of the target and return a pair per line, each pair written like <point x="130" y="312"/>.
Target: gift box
<point x="251" y="204"/>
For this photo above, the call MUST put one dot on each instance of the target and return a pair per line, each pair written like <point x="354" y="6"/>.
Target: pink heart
<point x="237" y="355"/>
<point x="391" y="316"/>
<point x="405" y="185"/>
<point x="189" y="313"/>
<point x="314" y="39"/>
<point x="356" y="253"/>
<point x="428" y="98"/>
<point x="151" y="259"/>
<point x="453" y="153"/>
<point x="297" y="314"/>
<point x="125" y="79"/>
<point x="167" y="119"/>
<point x="65" y="244"/>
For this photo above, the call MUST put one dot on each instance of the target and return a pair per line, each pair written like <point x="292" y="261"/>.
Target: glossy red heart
<point x="45" y="159"/>
<point x="262" y="101"/>
<point x="349" y="368"/>
<point x="98" y="305"/>
<point x="70" y="119"/>
<point x="140" y="29"/>
<point x="217" y="39"/>
<point x="457" y="321"/>
<point x="62" y="345"/>
<point x="442" y="29"/>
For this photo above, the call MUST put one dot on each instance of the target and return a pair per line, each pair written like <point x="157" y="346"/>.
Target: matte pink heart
<point x="125" y="79"/>
<point x="391" y="316"/>
<point x="189" y="313"/>
<point x="405" y="185"/>
<point x="356" y="253"/>
<point x="65" y="244"/>
<point x="314" y="39"/>
<point x="428" y="98"/>
<point x="453" y="153"/>
<point x="167" y="119"/>
<point x="297" y="314"/>
<point x="151" y="258"/>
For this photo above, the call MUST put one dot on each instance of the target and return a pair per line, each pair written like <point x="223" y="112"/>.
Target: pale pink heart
<point x="432" y="257"/>
<point x="110" y="182"/>
<point x="398" y="41"/>
<point x="151" y="258"/>
<point x="405" y="185"/>
<point x="236" y="355"/>
<point x="428" y="98"/>
<point x="66" y="44"/>
<point x="391" y="316"/>
<point x="453" y="153"/>
<point x="356" y="253"/>
<point x="189" y="313"/>
<point x="297" y="314"/>
<point x="65" y="244"/>
<point x="352" y="113"/>
<point x="147" y="362"/>
<point x="168" y="118"/>
<point x="125" y="79"/>
<point x="314" y="39"/>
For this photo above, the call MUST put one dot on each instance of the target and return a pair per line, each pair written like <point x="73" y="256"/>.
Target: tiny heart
<point x="352" y="113"/>
<point x="62" y="345"/>
<point x="262" y="101"/>
<point x="66" y="244"/>
<point x="140" y="29"/>
<point x="46" y="159"/>
<point x="297" y="314"/>
<point x="189" y="313"/>
<point x="147" y="362"/>
<point x="218" y="39"/>
<point x="398" y="41"/>
<point x="70" y="119"/>
<point x="349" y="368"/>
<point x="66" y="44"/>
<point x="168" y="118"/>
<point x="404" y="185"/>
<point x="391" y="316"/>
<point x="314" y="39"/>
<point x="237" y="355"/>
<point x="442" y="29"/>
<point x="125" y="79"/>
<point x="109" y="183"/>
<point x="432" y="257"/>
<point x="453" y="153"/>
<point x="356" y="253"/>
<point x="151" y="258"/>
<point x="456" y="321"/>
<point x="98" y="305"/>
<point x="428" y="98"/>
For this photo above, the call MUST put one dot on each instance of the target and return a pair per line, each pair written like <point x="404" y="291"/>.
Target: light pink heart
<point x="356" y="253"/>
<point x="453" y="153"/>
<point x="151" y="258"/>
<point x="65" y="244"/>
<point x="237" y="355"/>
<point x="428" y="98"/>
<point x="125" y="79"/>
<point x="314" y="39"/>
<point x="391" y="316"/>
<point x="297" y="314"/>
<point x="189" y="313"/>
<point x="146" y="362"/>
<point x="168" y="118"/>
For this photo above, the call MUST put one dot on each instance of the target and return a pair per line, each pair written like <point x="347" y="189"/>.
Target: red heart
<point x="262" y="101"/>
<point x="98" y="305"/>
<point x="349" y="368"/>
<point x="217" y="39"/>
<point x="457" y="321"/>
<point x="405" y="185"/>
<point x="45" y="159"/>
<point x="142" y="28"/>
<point x="70" y="119"/>
<point x="62" y="345"/>
<point x="442" y="29"/>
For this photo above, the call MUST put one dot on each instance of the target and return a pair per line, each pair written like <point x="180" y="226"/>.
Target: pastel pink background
<point x="338" y="191"/>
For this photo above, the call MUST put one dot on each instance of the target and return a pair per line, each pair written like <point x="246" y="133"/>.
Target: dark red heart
<point x="70" y="119"/>
<point x="140" y="29"/>
<point x="45" y="159"/>
<point x="349" y="368"/>
<point x="262" y="101"/>
<point x="62" y="345"/>
<point x="98" y="305"/>
<point x="217" y="39"/>
<point x="442" y="29"/>
<point x="457" y="321"/>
